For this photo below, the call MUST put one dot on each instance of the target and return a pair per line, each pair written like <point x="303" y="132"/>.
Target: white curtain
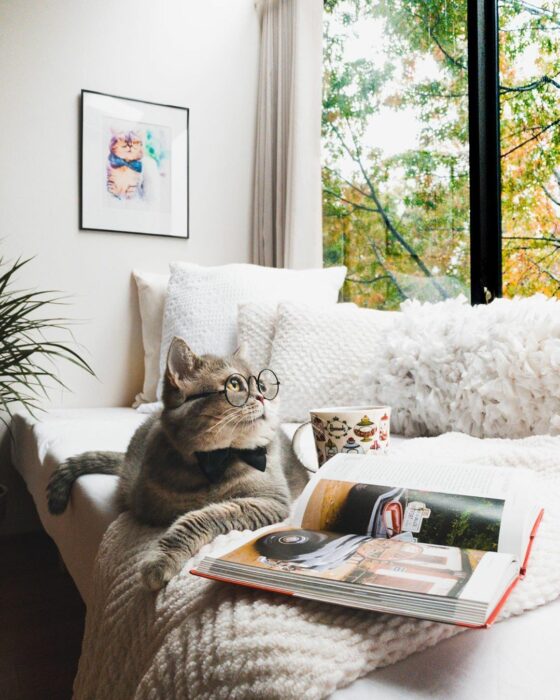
<point x="287" y="190"/>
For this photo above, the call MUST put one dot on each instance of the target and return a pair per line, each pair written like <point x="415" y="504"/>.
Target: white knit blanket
<point x="203" y="639"/>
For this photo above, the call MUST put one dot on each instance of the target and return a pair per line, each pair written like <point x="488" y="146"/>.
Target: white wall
<point x="202" y="55"/>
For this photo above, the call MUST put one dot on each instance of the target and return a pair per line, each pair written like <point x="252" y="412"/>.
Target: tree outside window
<point x="396" y="152"/>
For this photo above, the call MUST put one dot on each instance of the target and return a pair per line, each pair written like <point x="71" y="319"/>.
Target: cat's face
<point x="211" y="422"/>
<point x="127" y="145"/>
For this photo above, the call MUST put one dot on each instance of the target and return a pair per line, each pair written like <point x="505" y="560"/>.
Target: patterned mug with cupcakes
<point x="357" y="430"/>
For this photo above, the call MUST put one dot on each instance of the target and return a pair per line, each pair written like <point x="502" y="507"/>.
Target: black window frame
<point x="484" y="151"/>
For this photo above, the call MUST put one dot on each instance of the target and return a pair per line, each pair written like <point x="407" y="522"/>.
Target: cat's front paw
<point x="157" y="570"/>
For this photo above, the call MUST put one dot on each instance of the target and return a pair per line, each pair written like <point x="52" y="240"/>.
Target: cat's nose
<point x="260" y="398"/>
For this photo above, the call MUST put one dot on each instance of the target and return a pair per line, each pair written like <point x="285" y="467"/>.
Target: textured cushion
<point x="489" y="371"/>
<point x="320" y="354"/>
<point x="256" y="325"/>
<point x="151" y="297"/>
<point x="202" y="302"/>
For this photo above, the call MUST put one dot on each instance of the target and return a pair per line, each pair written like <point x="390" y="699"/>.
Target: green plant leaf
<point x="28" y="340"/>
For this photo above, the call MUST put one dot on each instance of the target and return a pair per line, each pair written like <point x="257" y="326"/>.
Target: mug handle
<point x="296" y="447"/>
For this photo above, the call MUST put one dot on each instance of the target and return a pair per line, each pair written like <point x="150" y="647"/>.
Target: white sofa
<point x="514" y="659"/>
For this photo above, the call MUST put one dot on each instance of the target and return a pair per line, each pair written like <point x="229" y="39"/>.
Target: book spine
<point x="538" y="521"/>
<point x="502" y="601"/>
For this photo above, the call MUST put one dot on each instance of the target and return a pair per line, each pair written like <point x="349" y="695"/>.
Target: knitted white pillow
<point x="151" y="299"/>
<point x="256" y="325"/>
<point x="320" y="355"/>
<point x="202" y="302"/>
<point x="488" y="371"/>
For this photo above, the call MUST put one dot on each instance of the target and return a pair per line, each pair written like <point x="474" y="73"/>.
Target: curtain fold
<point x="287" y="225"/>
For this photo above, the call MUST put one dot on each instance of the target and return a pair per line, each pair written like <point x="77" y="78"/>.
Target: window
<point x="410" y="120"/>
<point x="530" y="145"/>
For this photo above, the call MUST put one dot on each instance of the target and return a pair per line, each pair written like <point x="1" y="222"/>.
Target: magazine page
<point x="412" y="568"/>
<point x="431" y="502"/>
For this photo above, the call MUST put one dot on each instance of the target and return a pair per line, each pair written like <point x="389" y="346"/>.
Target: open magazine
<point x="430" y="540"/>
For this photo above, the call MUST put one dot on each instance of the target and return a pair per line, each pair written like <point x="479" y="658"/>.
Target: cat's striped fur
<point x="160" y="481"/>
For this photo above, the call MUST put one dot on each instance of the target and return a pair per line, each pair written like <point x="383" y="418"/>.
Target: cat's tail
<point x="61" y="481"/>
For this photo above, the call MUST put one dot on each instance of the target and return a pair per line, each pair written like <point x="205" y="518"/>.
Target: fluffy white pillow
<point x="202" y="302"/>
<point x="489" y="371"/>
<point x="151" y="298"/>
<point x="320" y="355"/>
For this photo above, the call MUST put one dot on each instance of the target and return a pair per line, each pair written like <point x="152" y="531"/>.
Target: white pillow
<point x="488" y="371"/>
<point x="202" y="302"/>
<point x="320" y="355"/>
<point x="256" y="325"/>
<point x="151" y="298"/>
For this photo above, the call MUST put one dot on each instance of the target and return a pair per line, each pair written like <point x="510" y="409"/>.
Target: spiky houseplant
<point x="29" y="347"/>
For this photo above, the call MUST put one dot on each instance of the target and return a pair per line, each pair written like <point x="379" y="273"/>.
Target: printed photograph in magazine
<point x="471" y="522"/>
<point x="407" y="566"/>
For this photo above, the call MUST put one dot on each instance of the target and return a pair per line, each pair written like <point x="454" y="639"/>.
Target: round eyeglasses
<point x="237" y="388"/>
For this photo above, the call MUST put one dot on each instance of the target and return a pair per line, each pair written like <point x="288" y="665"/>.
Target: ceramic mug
<point x="346" y="430"/>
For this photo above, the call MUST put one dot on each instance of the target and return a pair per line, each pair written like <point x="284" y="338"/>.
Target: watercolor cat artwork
<point x="125" y="165"/>
<point x="134" y="166"/>
<point x="137" y="165"/>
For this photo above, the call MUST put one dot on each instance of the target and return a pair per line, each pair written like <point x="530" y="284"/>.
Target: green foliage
<point x="400" y="220"/>
<point x="531" y="147"/>
<point x="28" y="348"/>
<point x="468" y="522"/>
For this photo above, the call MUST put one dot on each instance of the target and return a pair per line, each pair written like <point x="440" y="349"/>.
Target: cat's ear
<point x="241" y="352"/>
<point x="182" y="362"/>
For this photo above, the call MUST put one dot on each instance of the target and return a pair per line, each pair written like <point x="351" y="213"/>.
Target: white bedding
<point x="513" y="659"/>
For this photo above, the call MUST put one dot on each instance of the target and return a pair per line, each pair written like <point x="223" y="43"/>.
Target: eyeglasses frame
<point x="223" y="391"/>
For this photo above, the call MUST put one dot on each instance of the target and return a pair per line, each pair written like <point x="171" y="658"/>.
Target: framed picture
<point x="135" y="166"/>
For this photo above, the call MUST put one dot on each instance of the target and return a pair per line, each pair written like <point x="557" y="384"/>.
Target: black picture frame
<point x="83" y="225"/>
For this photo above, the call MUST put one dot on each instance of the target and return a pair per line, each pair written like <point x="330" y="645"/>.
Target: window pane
<point x="395" y="148"/>
<point x="530" y="145"/>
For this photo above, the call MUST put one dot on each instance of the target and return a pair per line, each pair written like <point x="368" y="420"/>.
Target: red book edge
<point x="522" y="571"/>
<point x="491" y="619"/>
<point x="214" y="577"/>
<point x="536" y="526"/>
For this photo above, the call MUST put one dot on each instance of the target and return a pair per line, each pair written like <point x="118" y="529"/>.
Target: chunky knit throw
<point x="203" y="639"/>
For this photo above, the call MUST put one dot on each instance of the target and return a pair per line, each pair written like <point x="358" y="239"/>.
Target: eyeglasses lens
<point x="268" y="384"/>
<point x="237" y="391"/>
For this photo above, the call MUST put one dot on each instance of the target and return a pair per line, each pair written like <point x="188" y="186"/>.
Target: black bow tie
<point x="213" y="464"/>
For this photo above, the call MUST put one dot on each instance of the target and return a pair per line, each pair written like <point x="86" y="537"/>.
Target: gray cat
<point x="196" y="467"/>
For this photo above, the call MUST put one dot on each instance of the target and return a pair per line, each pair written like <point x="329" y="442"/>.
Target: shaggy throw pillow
<point x="488" y="371"/>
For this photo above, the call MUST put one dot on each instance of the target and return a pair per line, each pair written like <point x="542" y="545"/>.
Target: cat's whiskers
<point x="227" y="418"/>
<point x="225" y="424"/>
<point x="247" y="418"/>
<point x="232" y="424"/>
<point x="234" y="427"/>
